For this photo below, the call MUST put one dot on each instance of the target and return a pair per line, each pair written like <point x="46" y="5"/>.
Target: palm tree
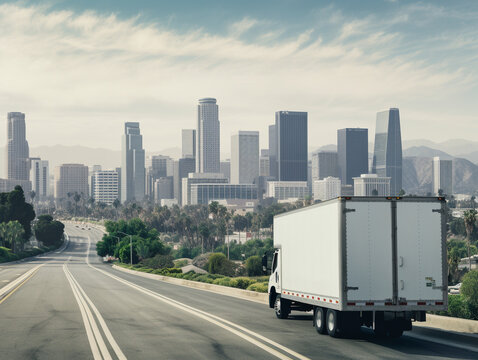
<point x="3" y="232"/>
<point x="16" y="232"/>
<point x="470" y="220"/>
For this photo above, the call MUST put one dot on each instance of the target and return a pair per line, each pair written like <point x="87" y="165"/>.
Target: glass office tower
<point x="387" y="155"/>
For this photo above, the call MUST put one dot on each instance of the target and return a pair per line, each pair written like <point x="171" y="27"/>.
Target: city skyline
<point x="229" y="56"/>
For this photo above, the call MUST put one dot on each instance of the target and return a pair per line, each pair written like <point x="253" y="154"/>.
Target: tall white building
<point x="70" y="179"/>
<point x="133" y="173"/>
<point x="91" y="175"/>
<point x="244" y="157"/>
<point x="208" y="137"/>
<point x="40" y="178"/>
<point x="188" y="143"/>
<point x="106" y="186"/>
<point x="17" y="147"/>
<point x="371" y="185"/>
<point x="442" y="176"/>
<point x="328" y="188"/>
<point x="287" y="190"/>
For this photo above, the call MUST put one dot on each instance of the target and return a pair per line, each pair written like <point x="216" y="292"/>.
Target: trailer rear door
<point x="419" y="251"/>
<point x="368" y="251"/>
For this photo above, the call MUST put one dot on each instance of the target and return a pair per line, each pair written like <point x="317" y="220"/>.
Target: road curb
<point x="258" y="297"/>
<point x="449" y="324"/>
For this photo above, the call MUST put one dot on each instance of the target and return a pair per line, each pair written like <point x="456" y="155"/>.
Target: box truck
<point x="361" y="261"/>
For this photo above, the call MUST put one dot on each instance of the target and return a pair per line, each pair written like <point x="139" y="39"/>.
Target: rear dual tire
<point x="319" y="320"/>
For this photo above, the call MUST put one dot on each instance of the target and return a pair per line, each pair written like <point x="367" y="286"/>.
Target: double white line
<point x="98" y="346"/>
<point x="238" y="330"/>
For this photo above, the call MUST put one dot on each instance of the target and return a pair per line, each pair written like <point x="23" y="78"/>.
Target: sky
<point x="80" y="69"/>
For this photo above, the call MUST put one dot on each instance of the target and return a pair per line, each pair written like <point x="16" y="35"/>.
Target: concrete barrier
<point x="450" y="324"/>
<point x="219" y="289"/>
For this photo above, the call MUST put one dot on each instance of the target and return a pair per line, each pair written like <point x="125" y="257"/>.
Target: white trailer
<point x="377" y="262"/>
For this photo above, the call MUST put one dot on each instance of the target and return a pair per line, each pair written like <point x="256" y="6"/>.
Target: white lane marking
<point x="89" y="332"/>
<point x="102" y="322"/>
<point x="9" y="287"/>
<point x="216" y="320"/>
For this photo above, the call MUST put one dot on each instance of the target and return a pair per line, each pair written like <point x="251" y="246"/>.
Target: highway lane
<point x="71" y="309"/>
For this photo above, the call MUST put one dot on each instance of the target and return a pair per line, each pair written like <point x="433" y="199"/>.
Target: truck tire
<point x="319" y="320"/>
<point x="395" y="329"/>
<point x="281" y="308"/>
<point x="332" y="322"/>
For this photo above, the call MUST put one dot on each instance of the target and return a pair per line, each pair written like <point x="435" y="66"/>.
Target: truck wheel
<point x="396" y="329"/>
<point x="332" y="323"/>
<point x="319" y="320"/>
<point x="281" y="308"/>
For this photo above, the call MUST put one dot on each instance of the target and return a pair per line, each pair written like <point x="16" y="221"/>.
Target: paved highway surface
<point x="69" y="305"/>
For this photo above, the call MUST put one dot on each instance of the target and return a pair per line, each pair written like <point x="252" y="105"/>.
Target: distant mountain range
<point x="417" y="164"/>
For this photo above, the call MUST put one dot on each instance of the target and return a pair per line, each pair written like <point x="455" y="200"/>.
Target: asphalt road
<point x="75" y="307"/>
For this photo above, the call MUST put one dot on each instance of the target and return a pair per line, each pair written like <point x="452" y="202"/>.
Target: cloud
<point x="79" y="76"/>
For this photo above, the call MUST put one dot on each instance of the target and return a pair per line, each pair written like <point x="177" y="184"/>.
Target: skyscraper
<point x="352" y="153"/>
<point x="17" y="147"/>
<point x="132" y="164"/>
<point x="105" y="186"/>
<point x="291" y="137"/>
<point x="244" y="157"/>
<point x="442" y="176"/>
<point x="264" y="163"/>
<point x="188" y="143"/>
<point x="182" y="168"/>
<point x="324" y="164"/>
<point x="70" y="179"/>
<point x="273" y="171"/>
<point x="387" y="154"/>
<point x="40" y="178"/>
<point x="207" y="139"/>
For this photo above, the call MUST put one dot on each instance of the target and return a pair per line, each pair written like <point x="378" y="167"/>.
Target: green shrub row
<point x="460" y="308"/>
<point x="6" y="255"/>
<point x="258" y="284"/>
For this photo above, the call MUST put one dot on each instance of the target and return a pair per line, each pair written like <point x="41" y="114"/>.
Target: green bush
<point x="457" y="307"/>
<point x="6" y="255"/>
<point x="241" y="282"/>
<point x="180" y="263"/>
<point x="204" y="278"/>
<point x="219" y="264"/>
<point x="159" y="262"/>
<point x="254" y="266"/>
<point x="259" y="287"/>
<point x="469" y="287"/>
<point x="224" y="281"/>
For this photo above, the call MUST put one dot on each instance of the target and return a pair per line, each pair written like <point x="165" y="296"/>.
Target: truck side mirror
<point x="264" y="263"/>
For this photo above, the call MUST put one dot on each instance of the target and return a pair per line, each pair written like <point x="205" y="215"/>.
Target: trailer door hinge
<point x="438" y="211"/>
<point x="348" y="210"/>
<point x="351" y="288"/>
